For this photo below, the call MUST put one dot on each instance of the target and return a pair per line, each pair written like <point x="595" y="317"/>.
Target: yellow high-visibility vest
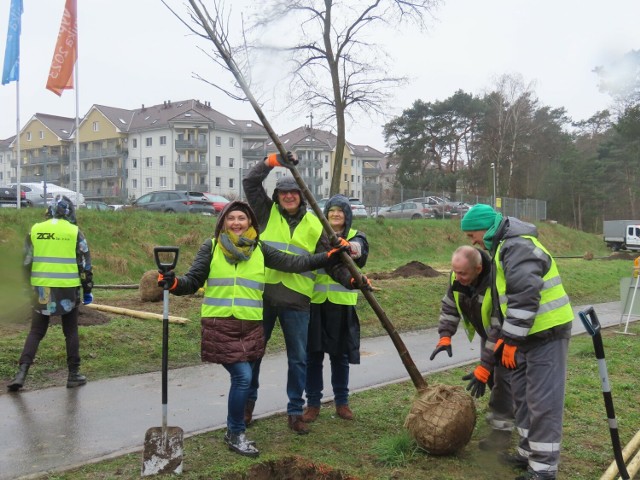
<point x="326" y="288"/>
<point x="54" y="254"/>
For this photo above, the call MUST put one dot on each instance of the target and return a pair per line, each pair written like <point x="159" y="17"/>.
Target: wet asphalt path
<point x="58" y="428"/>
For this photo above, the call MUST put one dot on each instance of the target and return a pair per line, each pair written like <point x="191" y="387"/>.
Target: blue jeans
<point x="295" y="327"/>
<point x="240" y="373"/>
<point x="339" y="378"/>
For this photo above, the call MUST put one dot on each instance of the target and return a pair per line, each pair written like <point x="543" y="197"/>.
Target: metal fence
<point x="529" y="209"/>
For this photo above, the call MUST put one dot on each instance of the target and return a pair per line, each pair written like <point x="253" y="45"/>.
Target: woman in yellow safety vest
<point x="334" y="327"/>
<point x="231" y="267"/>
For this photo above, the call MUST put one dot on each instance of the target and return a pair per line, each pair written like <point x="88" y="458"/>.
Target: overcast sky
<point x="134" y="52"/>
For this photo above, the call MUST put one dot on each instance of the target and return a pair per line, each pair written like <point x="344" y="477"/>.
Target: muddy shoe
<point x="310" y="414"/>
<point x="514" y="460"/>
<point x="18" y="381"/>
<point x="496" y="441"/>
<point x="239" y="443"/>
<point x="75" y="380"/>
<point x="248" y="411"/>
<point x="344" y="412"/>
<point x="297" y="425"/>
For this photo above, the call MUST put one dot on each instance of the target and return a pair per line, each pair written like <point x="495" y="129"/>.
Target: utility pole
<point x="310" y="117"/>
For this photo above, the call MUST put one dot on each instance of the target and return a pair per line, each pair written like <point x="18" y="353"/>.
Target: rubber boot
<point x="18" y="382"/>
<point x="75" y="379"/>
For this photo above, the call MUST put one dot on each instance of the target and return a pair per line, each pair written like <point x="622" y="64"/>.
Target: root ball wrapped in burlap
<point x="441" y="419"/>
<point x="149" y="289"/>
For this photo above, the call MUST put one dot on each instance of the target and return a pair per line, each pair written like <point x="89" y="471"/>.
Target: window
<point x="231" y="162"/>
<point x="231" y="142"/>
<point x="163" y="140"/>
<point x="218" y="181"/>
<point x="345" y="177"/>
<point x="231" y="183"/>
<point x="202" y="157"/>
<point x="135" y="143"/>
<point x="344" y="162"/>
<point x="218" y="161"/>
<point x="28" y="138"/>
<point x="353" y="178"/>
<point x="134" y="183"/>
<point x="326" y="159"/>
<point x="352" y="163"/>
<point x="95" y="126"/>
<point x="148" y="141"/>
<point x="148" y="161"/>
<point x="41" y="135"/>
<point x="149" y="182"/>
<point x="163" y="182"/>
<point x="358" y="178"/>
<point x="218" y="141"/>
<point x="134" y="163"/>
<point x="326" y="175"/>
<point x="163" y="160"/>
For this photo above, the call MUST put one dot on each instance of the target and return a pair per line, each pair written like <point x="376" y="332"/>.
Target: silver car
<point x="410" y="209"/>
<point x="175" y="201"/>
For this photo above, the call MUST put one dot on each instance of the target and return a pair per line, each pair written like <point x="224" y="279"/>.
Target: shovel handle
<point x="165" y="267"/>
<point x="590" y="321"/>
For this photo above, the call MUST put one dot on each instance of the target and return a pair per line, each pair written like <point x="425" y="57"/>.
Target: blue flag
<point x="11" y="70"/>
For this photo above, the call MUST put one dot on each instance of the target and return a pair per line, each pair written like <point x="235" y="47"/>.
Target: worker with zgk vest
<point x="468" y="298"/>
<point x="232" y="268"/>
<point x="334" y="327"/>
<point x="536" y="318"/>
<point x="286" y="225"/>
<point x="57" y="263"/>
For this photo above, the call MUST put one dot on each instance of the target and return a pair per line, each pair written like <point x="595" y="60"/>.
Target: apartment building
<point x="184" y="145"/>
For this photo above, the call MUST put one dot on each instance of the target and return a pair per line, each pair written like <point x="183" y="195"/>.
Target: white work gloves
<point x="355" y="249"/>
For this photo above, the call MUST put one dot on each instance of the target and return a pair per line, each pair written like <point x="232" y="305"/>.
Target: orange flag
<point x="66" y="53"/>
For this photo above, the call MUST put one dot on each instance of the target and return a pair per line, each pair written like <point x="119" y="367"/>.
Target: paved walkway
<point x="58" y="428"/>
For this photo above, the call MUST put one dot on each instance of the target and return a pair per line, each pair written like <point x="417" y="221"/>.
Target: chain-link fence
<point x="529" y="209"/>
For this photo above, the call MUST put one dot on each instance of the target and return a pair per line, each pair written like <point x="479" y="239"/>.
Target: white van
<point x="34" y="192"/>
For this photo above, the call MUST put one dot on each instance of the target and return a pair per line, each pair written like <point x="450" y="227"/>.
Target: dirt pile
<point x="289" y="468"/>
<point x="411" y="269"/>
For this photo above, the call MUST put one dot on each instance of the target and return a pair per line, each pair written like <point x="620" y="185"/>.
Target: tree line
<point x="587" y="170"/>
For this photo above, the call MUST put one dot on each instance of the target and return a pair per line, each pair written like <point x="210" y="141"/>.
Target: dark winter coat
<point x="335" y="329"/>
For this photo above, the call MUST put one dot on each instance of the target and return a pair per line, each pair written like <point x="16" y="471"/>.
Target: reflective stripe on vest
<point x="554" y="308"/>
<point x="305" y="237"/>
<point x="54" y="254"/>
<point x="485" y="310"/>
<point x="234" y="290"/>
<point x="326" y="288"/>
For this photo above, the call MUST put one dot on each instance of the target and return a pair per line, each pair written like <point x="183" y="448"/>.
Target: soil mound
<point x="411" y="269"/>
<point x="289" y="468"/>
<point x="621" y="256"/>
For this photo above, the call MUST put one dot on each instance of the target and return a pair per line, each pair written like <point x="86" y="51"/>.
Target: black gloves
<point x="443" y="344"/>
<point x="167" y="278"/>
<point x="477" y="381"/>
<point x="333" y="255"/>
<point x="276" y="160"/>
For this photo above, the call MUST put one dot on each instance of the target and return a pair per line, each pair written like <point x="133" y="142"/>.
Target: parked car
<point x="97" y="205"/>
<point x="439" y="205"/>
<point x="459" y="209"/>
<point x="9" y="198"/>
<point x="410" y="209"/>
<point x="175" y="201"/>
<point x="358" y="209"/>
<point x="217" y="201"/>
<point x="35" y="193"/>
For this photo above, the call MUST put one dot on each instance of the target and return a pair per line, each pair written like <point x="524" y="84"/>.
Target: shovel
<point x="592" y="326"/>
<point x="163" y="445"/>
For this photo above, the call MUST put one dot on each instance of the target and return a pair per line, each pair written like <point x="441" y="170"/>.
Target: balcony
<point x="253" y="153"/>
<point x="309" y="163"/>
<point x="191" y="167"/>
<point x="192" y="188"/>
<point x="48" y="159"/>
<point x="312" y="181"/>
<point x="371" y="171"/>
<point x="184" y="145"/>
<point x="371" y="187"/>
<point x="100" y="173"/>
<point x="98" y="153"/>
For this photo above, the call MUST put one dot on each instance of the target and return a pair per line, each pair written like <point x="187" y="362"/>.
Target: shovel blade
<point x="162" y="451"/>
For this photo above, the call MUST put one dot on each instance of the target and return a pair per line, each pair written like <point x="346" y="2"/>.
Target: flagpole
<point x="77" y="132"/>
<point x="18" y="163"/>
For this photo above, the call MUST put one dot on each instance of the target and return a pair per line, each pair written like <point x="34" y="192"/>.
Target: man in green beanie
<point x="536" y="319"/>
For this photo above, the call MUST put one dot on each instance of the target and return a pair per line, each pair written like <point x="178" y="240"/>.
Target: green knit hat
<point x="479" y="217"/>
